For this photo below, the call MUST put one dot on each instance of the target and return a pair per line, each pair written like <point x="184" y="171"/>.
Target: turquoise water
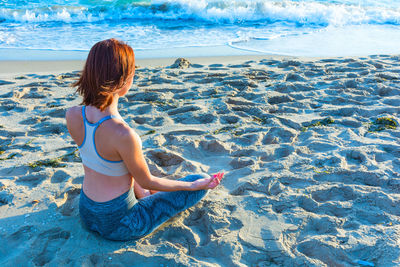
<point x="302" y="28"/>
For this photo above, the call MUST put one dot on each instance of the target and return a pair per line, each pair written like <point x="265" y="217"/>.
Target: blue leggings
<point x="126" y="218"/>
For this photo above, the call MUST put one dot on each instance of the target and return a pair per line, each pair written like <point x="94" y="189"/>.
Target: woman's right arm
<point x="130" y="150"/>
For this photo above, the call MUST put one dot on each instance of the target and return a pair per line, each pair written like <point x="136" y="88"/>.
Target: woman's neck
<point x="112" y="109"/>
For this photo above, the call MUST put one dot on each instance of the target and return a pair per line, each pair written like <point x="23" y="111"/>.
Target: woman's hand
<point x="208" y="183"/>
<point x="141" y="192"/>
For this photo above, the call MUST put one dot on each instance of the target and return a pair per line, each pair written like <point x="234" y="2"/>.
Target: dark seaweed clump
<point x="383" y="123"/>
<point x="324" y="122"/>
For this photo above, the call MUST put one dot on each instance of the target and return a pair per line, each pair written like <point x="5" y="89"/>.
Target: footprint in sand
<point x="383" y="202"/>
<point x="47" y="244"/>
<point x="387" y="91"/>
<point x="184" y="109"/>
<point x="48" y="128"/>
<point x="293" y="77"/>
<point x="5" y="197"/>
<point x="164" y="158"/>
<point x="11" y="105"/>
<point x="240" y="84"/>
<point x="33" y="120"/>
<point x="323" y="146"/>
<point x="17" y="241"/>
<point x="191" y="96"/>
<point x="356" y="156"/>
<point x="289" y="63"/>
<point x="266" y="185"/>
<point x="13" y="249"/>
<point x="141" y="119"/>
<point x="275" y="100"/>
<point x="56" y="113"/>
<point x="198" y="222"/>
<point x="243" y="188"/>
<point x="33" y="91"/>
<point x="308" y="204"/>
<point x="182" y="237"/>
<point x="325" y="252"/>
<point x="238" y="163"/>
<point x="239" y="101"/>
<point x="33" y="179"/>
<point x="60" y="176"/>
<point x="22" y="235"/>
<point x="337" y="209"/>
<point x="335" y="193"/>
<point x="365" y="216"/>
<point x="245" y="153"/>
<point x="210" y="221"/>
<point x="279" y="135"/>
<point x="247" y="139"/>
<point x="283" y="151"/>
<point x="281" y="207"/>
<point x="322" y="225"/>
<point x="70" y="206"/>
<point x="143" y="109"/>
<point x="213" y="147"/>
<point x="229" y="119"/>
<point x="328" y="162"/>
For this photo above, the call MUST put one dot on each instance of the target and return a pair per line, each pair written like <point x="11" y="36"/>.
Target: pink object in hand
<point x="219" y="176"/>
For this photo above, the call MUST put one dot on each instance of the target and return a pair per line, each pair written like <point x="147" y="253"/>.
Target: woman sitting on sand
<point x="118" y="198"/>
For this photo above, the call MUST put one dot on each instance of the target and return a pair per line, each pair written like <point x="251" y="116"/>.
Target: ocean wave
<point x="217" y="11"/>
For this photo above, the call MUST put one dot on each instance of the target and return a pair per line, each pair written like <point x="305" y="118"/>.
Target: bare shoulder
<point x="73" y="114"/>
<point x="125" y="134"/>
<point x="75" y="124"/>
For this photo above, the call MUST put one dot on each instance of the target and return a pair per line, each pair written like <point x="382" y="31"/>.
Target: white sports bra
<point x="91" y="158"/>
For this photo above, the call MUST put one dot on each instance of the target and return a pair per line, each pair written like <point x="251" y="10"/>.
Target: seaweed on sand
<point x="10" y="156"/>
<point x="55" y="162"/>
<point x="324" y="122"/>
<point x="148" y="133"/>
<point x="47" y="163"/>
<point x="382" y="123"/>
<point x="3" y="146"/>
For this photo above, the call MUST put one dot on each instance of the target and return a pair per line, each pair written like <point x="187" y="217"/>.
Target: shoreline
<point x="42" y="61"/>
<point x="15" y="67"/>
<point x="12" y="54"/>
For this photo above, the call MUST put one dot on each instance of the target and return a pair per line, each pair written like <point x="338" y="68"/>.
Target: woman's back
<point x="96" y="135"/>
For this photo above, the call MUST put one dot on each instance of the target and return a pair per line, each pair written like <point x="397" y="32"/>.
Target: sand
<point x="312" y="175"/>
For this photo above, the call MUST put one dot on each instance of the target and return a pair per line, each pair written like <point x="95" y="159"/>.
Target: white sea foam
<point x="239" y="11"/>
<point x="257" y="25"/>
<point x="354" y="40"/>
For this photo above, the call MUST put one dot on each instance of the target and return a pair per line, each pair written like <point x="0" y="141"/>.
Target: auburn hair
<point x="108" y="67"/>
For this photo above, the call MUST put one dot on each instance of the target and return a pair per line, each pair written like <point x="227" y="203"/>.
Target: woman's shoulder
<point x="122" y="129"/>
<point x="124" y="133"/>
<point x="73" y="114"/>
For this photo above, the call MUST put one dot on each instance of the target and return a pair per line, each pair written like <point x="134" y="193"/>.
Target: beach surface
<point x="310" y="148"/>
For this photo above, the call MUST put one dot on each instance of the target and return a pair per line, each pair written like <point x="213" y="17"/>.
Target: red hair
<point x="108" y="67"/>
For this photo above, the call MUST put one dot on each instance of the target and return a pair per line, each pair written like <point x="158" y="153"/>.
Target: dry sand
<point x="310" y="181"/>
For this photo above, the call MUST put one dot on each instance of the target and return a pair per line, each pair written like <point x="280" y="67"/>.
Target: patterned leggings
<point x="126" y="218"/>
